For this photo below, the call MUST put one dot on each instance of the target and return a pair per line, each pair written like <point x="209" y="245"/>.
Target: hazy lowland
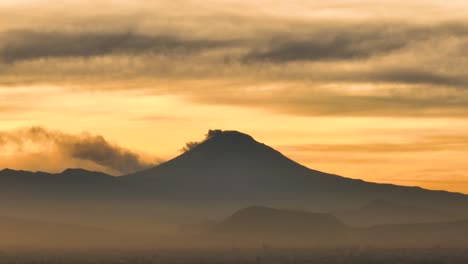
<point x="226" y="199"/>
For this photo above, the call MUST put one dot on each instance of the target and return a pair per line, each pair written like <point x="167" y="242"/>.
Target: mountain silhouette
<point x="69" y="183"/>
<point x="232" y="168"/>
<point x="265" y="220"/>
<point x="77" y="175"/>
<point x="292" y="227"/>
<point x="226" y="171"/>
<point x="277" y="226"/>
<point x="74" y="196"/>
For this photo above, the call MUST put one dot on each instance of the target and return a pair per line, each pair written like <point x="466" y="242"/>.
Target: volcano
<point x="232" y="168"/>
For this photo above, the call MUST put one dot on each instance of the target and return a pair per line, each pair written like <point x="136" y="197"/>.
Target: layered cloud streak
<point x="325" y="61"/>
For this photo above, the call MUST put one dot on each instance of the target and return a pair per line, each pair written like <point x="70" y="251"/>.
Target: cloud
<point x="346" y="100"/>
<point x="426" y="144"/>
<point x="316" y="41"/>
<point x="85" y="147"/>
<point x="100" y="151"/>
<point x="9" y="108"/>
<point x="415" y="76"/>
<point x="409" y="63"/>
<point x="328" y="45"/>
<point x="30" y="45"/>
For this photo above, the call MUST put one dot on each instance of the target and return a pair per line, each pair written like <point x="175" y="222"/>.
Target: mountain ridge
<point x="65" y="172"/>
<point x="232" y="138"/>
<point x="286" y="227"/>
<point x="230" y="164"/>
<point x="226" y="171"/>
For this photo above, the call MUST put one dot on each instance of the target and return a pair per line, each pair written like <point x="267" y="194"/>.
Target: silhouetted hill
<point x="291" y="227"/>
<point x="68" y="175"/>
<point x="73" y="196"/>
<point x="279" y="227"/>
<point x="265" y="220"/>
<point x="71" y="183"/>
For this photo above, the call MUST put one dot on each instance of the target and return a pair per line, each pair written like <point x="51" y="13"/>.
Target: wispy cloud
<point x="31" y="45"/>
<point x="415" y="67"/>
<point x="425" y="144"/>
<point x="85" y="146"/>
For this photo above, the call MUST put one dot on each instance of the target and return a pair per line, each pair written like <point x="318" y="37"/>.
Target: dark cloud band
<point x="30" y="45"/>
<point x="425" y="62"/>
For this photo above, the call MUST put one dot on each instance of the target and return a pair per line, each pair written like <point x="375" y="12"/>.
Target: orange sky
<point x="364" y="89"/>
